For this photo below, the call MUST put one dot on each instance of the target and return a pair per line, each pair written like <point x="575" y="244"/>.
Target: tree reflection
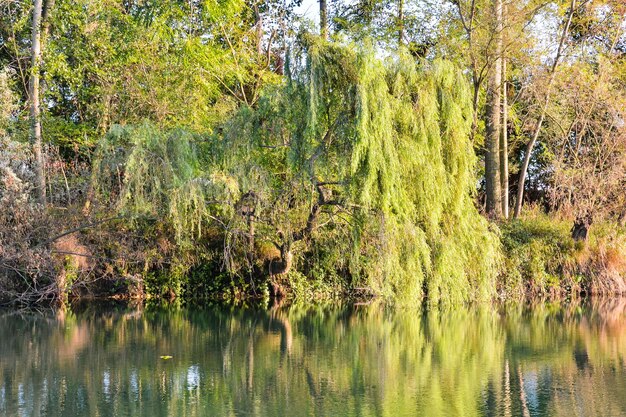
<point x="542" y="359"/>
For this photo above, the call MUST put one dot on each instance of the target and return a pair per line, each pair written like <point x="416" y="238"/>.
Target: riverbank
<point x="366" y="186"/>
<point x="539" y="259"/>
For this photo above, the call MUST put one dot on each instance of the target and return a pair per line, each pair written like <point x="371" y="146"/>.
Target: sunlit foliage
<point x="374" y="153"/>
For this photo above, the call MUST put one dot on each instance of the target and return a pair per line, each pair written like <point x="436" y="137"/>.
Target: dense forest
<point x="439" y="150"/>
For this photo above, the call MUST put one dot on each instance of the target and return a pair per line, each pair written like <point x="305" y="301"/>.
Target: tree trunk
<point x="45" y="19"/>
<point x="258" y="23"/>
<point x="493" y="114"/>
<point x="529" y="148"/>
<point x="581" y="228"/>
<point x="286" y="257"/>
<point x="521" y="182"/>
<point x="35" y="115"/>
<point x="323" y="19"/>
<point x="400" y="22"/>
<point x="283" y="265"/>
<point x="251" y="245"/>
<point x="504" y="147"/>
<point x="475" y="96"/>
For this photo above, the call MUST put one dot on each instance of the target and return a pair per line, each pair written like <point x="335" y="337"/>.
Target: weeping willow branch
<point x="385" y="144"/>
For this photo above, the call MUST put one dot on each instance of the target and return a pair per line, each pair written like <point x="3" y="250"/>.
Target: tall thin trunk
<point x="504" y="152"/>
<point x="475" y="96"/>
<point x="45" y="19"/>
<point x="400" y="22"/>
<point x="251" y="232"/>
<point x="529" y="147"/>
<point x="504" y="139"/>
<point x="35" y="112"/>
<point x="323" y="19"/>
<point x="492" y="141"/>
<point x="258" y="21"/>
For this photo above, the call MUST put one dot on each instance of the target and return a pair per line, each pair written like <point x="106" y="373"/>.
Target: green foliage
<point x="314" y="290"/>
<point x="154" y="174"/>
<point x="162" y="284"/>
<point x="178" y="64"/>
<point x="392" y="137"/>
<point x="350" y="155"/>
<point x="539" y="256"/>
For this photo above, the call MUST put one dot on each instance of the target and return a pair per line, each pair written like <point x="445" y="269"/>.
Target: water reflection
<point x="538" y="360"/>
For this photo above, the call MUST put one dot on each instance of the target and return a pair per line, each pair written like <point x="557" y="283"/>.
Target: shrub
<point x="541" y="258"/>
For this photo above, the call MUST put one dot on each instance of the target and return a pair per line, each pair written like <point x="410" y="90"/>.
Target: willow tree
<point x="353" y="167"/>
<point x="376" y="154"/>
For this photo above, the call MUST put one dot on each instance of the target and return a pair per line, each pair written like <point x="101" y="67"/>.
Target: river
<point x="545" y="359"/>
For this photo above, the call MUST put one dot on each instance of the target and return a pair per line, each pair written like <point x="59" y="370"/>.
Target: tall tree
<point x="531" y="144"/>
<point x="469" y="17"/>
<point x="323" y="19"/>
<point x="392" y="23"/>
<point x="258" y="23"/>
<point x="493" y="122"/>
<point x="587" y="136"/>
<point x="400" y="22"/>
<point x="504" y="145"/>
<point x="35" y="111"/>
<point x="45" y="19"/>
<point x="504" y="139"/>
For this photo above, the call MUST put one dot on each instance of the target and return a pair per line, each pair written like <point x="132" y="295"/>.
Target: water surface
<point x="542" y="360"/>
